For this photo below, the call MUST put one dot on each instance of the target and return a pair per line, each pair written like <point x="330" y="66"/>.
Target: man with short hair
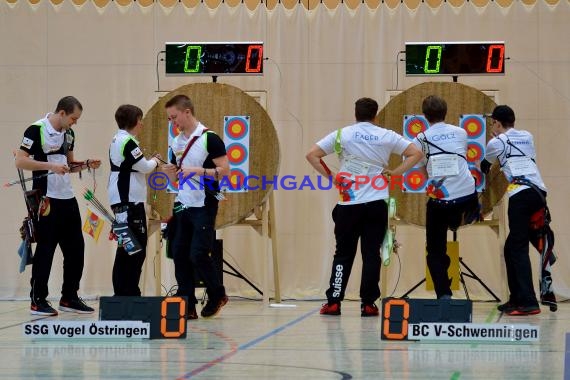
<point x="47" y="148"/>
<point x="364" y="150"/>
<point x="514" y="150"/>
<point x="452" y="197"/>
<point x="197" y="153"/>
<point x="127" y="195"/>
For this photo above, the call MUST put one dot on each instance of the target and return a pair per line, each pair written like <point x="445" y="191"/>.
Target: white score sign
<point x="87" y="329"/>
<point x="489" y="332"/>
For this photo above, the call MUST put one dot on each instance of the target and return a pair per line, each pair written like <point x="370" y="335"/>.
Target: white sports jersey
<point x="127" y="181"/>
<point x="207" y="147"/>
<point x="46" y="144"/>
<point x="511" y="149"/>
<point x="366" y="148"/>
<point x="445" y="149"/>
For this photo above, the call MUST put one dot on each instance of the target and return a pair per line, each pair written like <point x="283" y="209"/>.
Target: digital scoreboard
<point x="209" y="58"/>
<point x="455" y="58"/>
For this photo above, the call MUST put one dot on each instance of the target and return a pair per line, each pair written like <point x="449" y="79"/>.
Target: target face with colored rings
<point x="237" y="153"/>
<point x="236" y="127"/>
<point x="413" y="125"/>
<point x="474" y="125"/>
<point x="415" y="180"/>
<point x="173" y="186"/>
<point x="172" y="130"/>
<point x="237" y="178"/>
<point x="479" y="177"/>
<point x="437" y="192"/>
<point x="474" y="152"/>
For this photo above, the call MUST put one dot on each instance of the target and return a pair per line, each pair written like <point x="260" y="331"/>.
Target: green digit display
<point x="431" y="57"/>
<point x="192" y="60"/>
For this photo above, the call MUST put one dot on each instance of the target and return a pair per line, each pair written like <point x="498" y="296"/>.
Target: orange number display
<point x="387" y="313"/>
<point x="182" y="320"/>
<point x="258" y="58"/>
<point x="497" y="55"/>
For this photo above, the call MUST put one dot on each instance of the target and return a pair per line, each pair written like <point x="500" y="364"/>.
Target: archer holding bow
<point x="47" y="146"/>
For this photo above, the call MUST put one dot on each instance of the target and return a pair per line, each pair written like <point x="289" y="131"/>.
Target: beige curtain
<point x="320" y="61"/>
<point x="290" y="4"/>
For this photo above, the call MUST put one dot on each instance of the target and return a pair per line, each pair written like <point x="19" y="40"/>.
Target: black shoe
<point x="523" y="310"/>
<point x="42" y="307"/>
<point x="549" y="299"/>
<point x="75" y="306"/>
<point x="507" y="306"/>
<point x="192" y="314"/>
<point x="213" y="307"/>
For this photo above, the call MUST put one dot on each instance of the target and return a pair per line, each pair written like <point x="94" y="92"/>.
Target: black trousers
<point x="367" y="222"/>
<point x="128" y="268"/>
<point x="440" y="217"/>
<point x="517" y="261"/>
<point x="62" y="225"/>
<point x="191" y="246"/>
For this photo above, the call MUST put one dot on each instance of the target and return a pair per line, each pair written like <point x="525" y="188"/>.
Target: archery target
<point x="440" y="192"/>
<point x="173" y="131"/>
<point x="236" y="127"/>
<point x="414" y="181"/>
<point x="479" y="178"/>
<point x="475" y="152"/>
<point x="236" y="138"/>
<point x="413" y="125"/>
<point x="237" y="153"/>
<point x="474" y="125"/>
<point x="173" y="186"/>
<point x="237" y="178"/>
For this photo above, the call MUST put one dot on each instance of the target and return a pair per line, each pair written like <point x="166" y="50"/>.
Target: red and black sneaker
<point x="523" y="310"/>
<point x="330" y="308"/>
<point x="369" y="310"/>
<point x="505" y="307"/>
<point x="75" y="306"/>
<point x="42" y="307"/>
<point x="213" y="307"/>
<point x="192" y="314"/>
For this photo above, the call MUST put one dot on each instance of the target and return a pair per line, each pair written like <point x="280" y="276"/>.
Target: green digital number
<point x="192" y="60"/>
<point x="431" y="57"/>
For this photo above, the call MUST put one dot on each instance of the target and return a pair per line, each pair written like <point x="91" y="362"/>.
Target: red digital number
<point x="495" y="50"/>
<point x="250" y="50"/>
<point x="182" y="321"/>
<point x="388" y="311"/>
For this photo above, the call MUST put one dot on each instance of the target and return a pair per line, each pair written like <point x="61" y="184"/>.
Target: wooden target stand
<point x="255" y="208"/>
<point x="461" y="99"/>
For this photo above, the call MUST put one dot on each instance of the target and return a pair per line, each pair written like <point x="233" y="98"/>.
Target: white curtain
<point x="320" y="62"/>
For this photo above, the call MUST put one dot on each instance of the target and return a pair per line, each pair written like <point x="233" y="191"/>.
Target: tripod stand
<point x="237" y="274"/>
<point x="462" y="276"/>
<point x="217" y="254"/>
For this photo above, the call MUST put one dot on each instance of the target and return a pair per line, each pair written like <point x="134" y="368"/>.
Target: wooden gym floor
<point x="251" y="341"/>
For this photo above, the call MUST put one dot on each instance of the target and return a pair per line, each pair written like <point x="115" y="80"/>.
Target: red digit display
<point x="495" y="58"/>
<point x="255" y="55"/>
